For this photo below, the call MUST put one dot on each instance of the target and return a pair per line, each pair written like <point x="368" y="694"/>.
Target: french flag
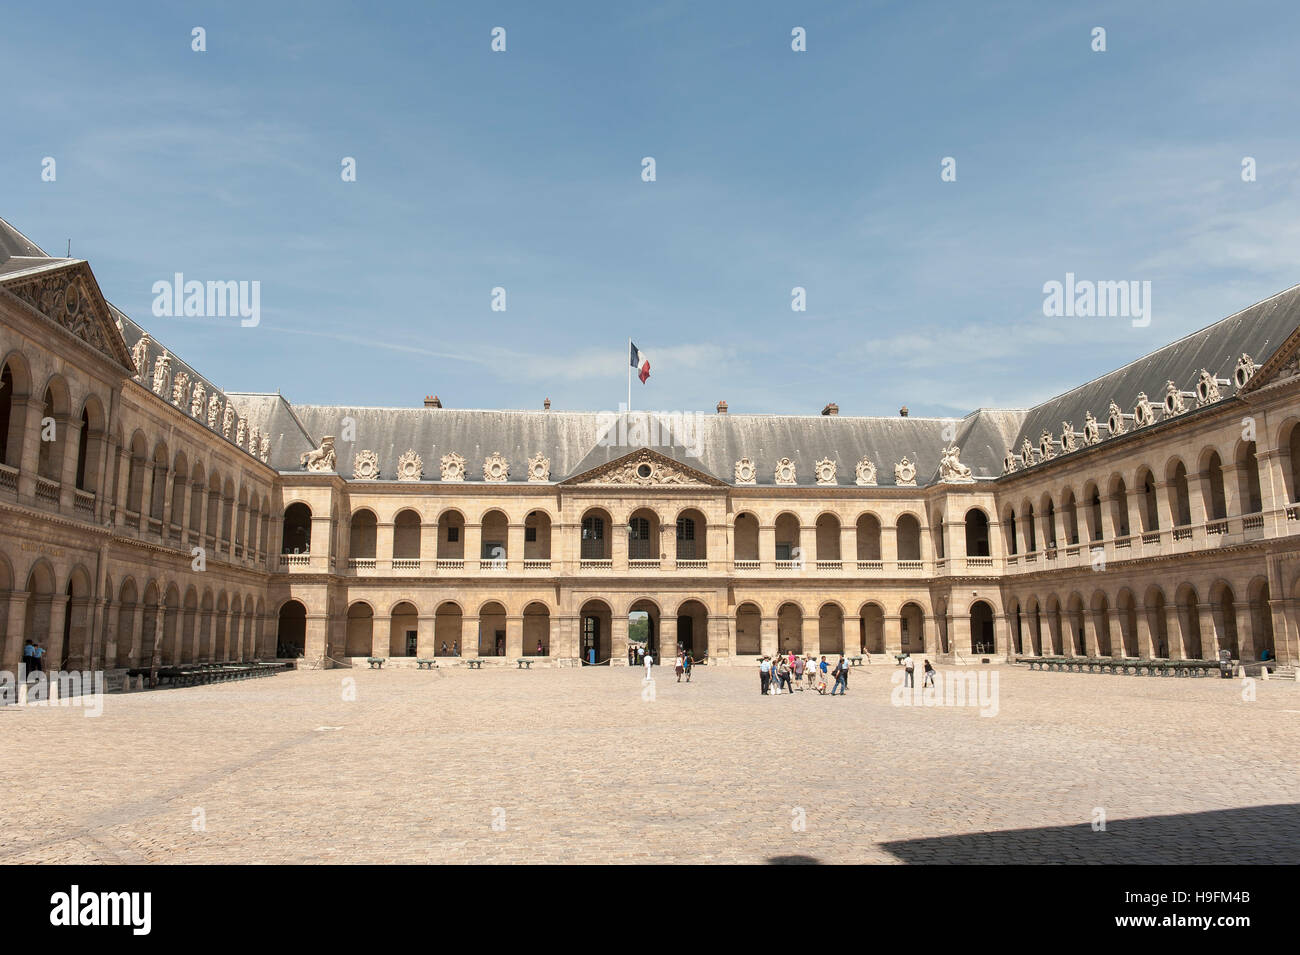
<point x="640" y="362"/>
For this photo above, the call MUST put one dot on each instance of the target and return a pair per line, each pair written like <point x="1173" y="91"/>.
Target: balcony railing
<point x="1151" y="537"/>
<point x="537" y="563"/>
<point x="692" y="563"/>
<point x="910" y="565"/>
<point x="643" y="563"/>
<point x="592" y="563"/>
<point x="871" y="565"/>
<point x="449" y="563"/>
<point x="1217" y="527"/>
<point x="789" y="565"/>
<point x="8" y="478"/>
<point x="830" y="565"/>
<point x="47" y="490"/>
<point x="987" y="561"/>
<point x="490" y="565"/>
<point x="747" y="563"/>
<point x="84" y="501"/>
<point x="295" y="560"/>
<point x="1182" y="533"/>
<point x="1252" y="521"/>
<point x="361" y="563"/>
<point x="406" y="563"/>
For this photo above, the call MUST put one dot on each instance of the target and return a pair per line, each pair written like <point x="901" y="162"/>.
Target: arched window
<point x="297" y="529"/>
<point x="593" y="537"/>
<point x="977" y="533"/>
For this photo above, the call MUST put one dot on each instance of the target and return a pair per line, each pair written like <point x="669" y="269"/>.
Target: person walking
<point x="841" y="677"/>
<point x="680" y="666"/>
<point x="798" y="673"/>
<point x="29" y="656"/>
<point x="927" y="678"/>
<point x="785" y="677"/>
<point x="764" y="674"/>
<point x="909" y="671"/>
<point x="690" y="662"/>
<point x="649" y="662"/>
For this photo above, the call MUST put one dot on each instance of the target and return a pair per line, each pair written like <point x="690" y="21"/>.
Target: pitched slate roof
<point x="1256" y="331"/>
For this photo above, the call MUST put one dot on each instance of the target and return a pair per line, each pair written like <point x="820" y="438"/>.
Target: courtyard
<point x="584" y="765"/>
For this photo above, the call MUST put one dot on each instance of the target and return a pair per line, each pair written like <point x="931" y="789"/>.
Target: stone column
<point x="425" y="645"/>
<point x="1054" y="635"/>
<point x="667" y="638"/>
<point x="1174" y="628"/>
<point x="849" y="545"/>
<point x="1109" y="530"/>
<point x="1090" y="642"/>
<point x="1135" y="500"/>
<point x="767" y="635"/>
<point x="808" y="546"/>
<point x="1272" y="488"/>
<point x="428" y="546"/>
<point x="1232" y="490"/>
<point x="810" y="638"/>
<point x="851" y="638"/>
<point x="1145" y="649"/>
<point x="14" y="637"/>
<point x="1209" y="633"/>
<point x="618" y="640"/>
<point x="469" y="635"/>
<point x="26" y="426"/>
<point x="381" y="635"/>
<point x="1245" y="632"/>
<point x="893" y="624"/>
<point x="1117" y="634"/>
<point x="618" y="545"/>
<point x="959" y="636"/>
<point x="721" y="646"/>
<point x="515" y="548"/>
<point x="515" y="636"/>
<point x="667" y="552"/>
<point x="69" y="432"/>
<point x="767" y="546"/>
<point x="889" y="545"/>
<point x="384" y="545"/>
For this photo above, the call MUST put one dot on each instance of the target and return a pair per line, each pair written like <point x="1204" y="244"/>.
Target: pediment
<point x="70" y="298"/>
<point x="644" y="468"/>
<point x="1282" y="366"/>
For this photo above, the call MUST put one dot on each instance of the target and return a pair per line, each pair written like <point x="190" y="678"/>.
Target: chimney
<point x="722" y="407"/>
<point x="831" y="409"/>
<point x="902" y="412"/>
<point x="432" y="401"/>
<point x="546" y="405"/>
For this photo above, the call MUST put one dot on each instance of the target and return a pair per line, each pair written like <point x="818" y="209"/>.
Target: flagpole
<point x="629" y="375"/>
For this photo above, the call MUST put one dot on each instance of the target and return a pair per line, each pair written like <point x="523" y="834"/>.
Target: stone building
<point x="148" y="516"/>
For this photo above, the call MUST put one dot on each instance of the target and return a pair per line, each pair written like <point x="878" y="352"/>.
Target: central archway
<point x="643" y="628"/>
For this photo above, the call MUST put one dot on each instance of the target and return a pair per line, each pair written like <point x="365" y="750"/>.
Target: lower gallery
<point x="149" y="518"/>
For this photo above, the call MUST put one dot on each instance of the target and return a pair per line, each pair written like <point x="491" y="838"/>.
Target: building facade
<point x="148" y="517"/>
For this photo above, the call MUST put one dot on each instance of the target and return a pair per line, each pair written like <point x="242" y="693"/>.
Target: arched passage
<point x="291" y="631"/>
<point x="594" y="630"/>
<point x="643" y="627"/>
<point x="749" y="630"/>
<point x="403" y="630"/>
<point x="981" y="628"/>
<point x="447" y="629"/>
<point x="789" y="629"/>
<point x="361" y="630"/>
<point x="537" y="630"/>
<point x="830" y="629"/>
<point x="693" y="629"/>
<point x="492" y="630"/>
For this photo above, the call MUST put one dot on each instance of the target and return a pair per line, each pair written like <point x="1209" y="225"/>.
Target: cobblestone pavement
<point x="562" y="765"/>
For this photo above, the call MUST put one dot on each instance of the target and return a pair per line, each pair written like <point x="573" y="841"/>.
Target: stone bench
<point x="426" y="664"/>
<point x="523" y="663"/>
<point x="375" y="662"/>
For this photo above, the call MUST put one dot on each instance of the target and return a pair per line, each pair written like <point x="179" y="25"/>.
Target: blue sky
<point x="775" y="169"/>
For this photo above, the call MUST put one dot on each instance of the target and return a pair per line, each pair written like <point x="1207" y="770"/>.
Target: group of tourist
<point x="33" y="656"/>
<point x="787" y="672"/>
<point x="909" y="672"/>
